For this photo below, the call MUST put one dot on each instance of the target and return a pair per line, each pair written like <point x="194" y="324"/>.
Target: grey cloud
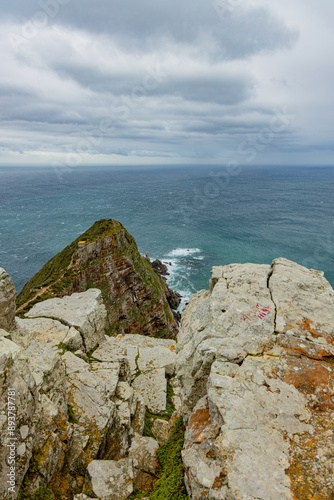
<point x="141" y="26"/>
<point x="62" y="82"/>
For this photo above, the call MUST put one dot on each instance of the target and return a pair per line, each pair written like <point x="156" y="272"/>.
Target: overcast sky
<point x="183" y="81"/>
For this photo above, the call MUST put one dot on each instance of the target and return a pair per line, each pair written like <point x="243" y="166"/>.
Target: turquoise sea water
<point x="190" y="217"/>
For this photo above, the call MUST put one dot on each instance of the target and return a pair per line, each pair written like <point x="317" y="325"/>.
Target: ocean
<point x="190" y="217"/>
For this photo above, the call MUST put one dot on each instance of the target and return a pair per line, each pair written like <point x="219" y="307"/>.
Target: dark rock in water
<point x="173" y="298"/>
<point x="160" y="268"/>
<point x="177" y="316"/>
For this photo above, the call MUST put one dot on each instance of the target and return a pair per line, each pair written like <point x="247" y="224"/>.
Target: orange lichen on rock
<point x="199" y="421"/>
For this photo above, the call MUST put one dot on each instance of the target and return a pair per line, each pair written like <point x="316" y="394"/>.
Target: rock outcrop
<point x="255" y="364"/>
<point x="83" y="311"/>
<point x="106" y="257"/>
<point x="86" y="415"/>
<point x="7" y="302"/>
<point x="75" y="412"/>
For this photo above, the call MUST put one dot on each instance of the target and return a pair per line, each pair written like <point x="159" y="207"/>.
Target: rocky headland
<point x="106" y="257"/>
<point x="102" y="398"/>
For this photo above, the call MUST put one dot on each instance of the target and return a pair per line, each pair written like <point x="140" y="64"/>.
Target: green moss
<point x="148" y="422"/>
<point x="71" y="415"/>
<point x="137" y="494"/>
<point x="42" y="493"/>
<point x="114" y="330"/>
<point x="138" y="371"/>
<point x="65" y="347"/>
<point x="79" y="470"/>
<point x="170" y="408"/>
<point x="171" y="486"/>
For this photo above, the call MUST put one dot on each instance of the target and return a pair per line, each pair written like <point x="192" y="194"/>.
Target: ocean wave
<point x="181" y="263"/>
<point x="183" y="252"/>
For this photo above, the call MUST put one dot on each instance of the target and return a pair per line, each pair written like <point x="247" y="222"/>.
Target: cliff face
<point x="255" y="364"/>
<point x="106" y="257"/>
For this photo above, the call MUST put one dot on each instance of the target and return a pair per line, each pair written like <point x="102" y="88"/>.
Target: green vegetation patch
<point x="57" y="266"/>
<point x="71" y="415"/>
<point x="137" y="495"/>
<point x="171" y="486"/>
<point x="42" y="493"/>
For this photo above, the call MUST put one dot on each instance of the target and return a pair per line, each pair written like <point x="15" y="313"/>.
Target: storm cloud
<point x="129" y="81"/>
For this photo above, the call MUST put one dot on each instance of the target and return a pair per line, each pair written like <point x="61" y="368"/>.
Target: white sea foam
<point x="178" y="262"/>
<point x="183" y="252"/>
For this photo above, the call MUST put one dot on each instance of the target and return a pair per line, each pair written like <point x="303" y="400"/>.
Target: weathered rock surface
<point x="257" y="382"/>
<point x="150" y="360"/>
<point x="146" y="466"/>
<point x="160" y="430"/>
<point x="35" y="380"/>
<point x="83" y="311"/>
<point x="7" y="301"/>
<point x="152" y="386"/>
<point x="111" y="480"/>
<point x="52" y="332"/>
<point x="82" y="496"/>
<point x="81" y="409"/>
<point x="144" y="353"/>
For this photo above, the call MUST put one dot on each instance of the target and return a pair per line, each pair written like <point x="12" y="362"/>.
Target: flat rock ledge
<point x="255" y="365"/>
<point x="84" y="311"/>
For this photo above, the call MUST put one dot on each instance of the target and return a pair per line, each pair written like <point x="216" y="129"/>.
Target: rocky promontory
<point x="240" y="407"/>
<point x="106" y="257"/>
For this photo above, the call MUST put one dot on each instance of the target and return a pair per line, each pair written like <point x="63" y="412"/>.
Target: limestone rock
<point x="204" y="467"/>
<point x="160" y="430"/>
<point x="110" y="351"/>
<point x="152" y="386"/>
<point x="82" y="496"/>
<point x="83" y="311"/>
<point x="7" y="301"/>
<point x="52" y="332"/>
<point x="18" y="384"/>
<point x="143" y="353"/>
<point x="49" y="373"/>
<point x="156" y="357"/>
<point x="111" y="480"/>
<point x="257" y="380"/>
<point x="36" y="377"/>
<point x="233" y="320"/>
<point x="143" y="453"/>
<point x="145" y="462"/>
<point x="90" y="391"/>
<point x="176" y="399"/>
<point x="305" y="309"/>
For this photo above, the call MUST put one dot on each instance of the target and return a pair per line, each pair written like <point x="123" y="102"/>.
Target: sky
<point x="148" y="82"/>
